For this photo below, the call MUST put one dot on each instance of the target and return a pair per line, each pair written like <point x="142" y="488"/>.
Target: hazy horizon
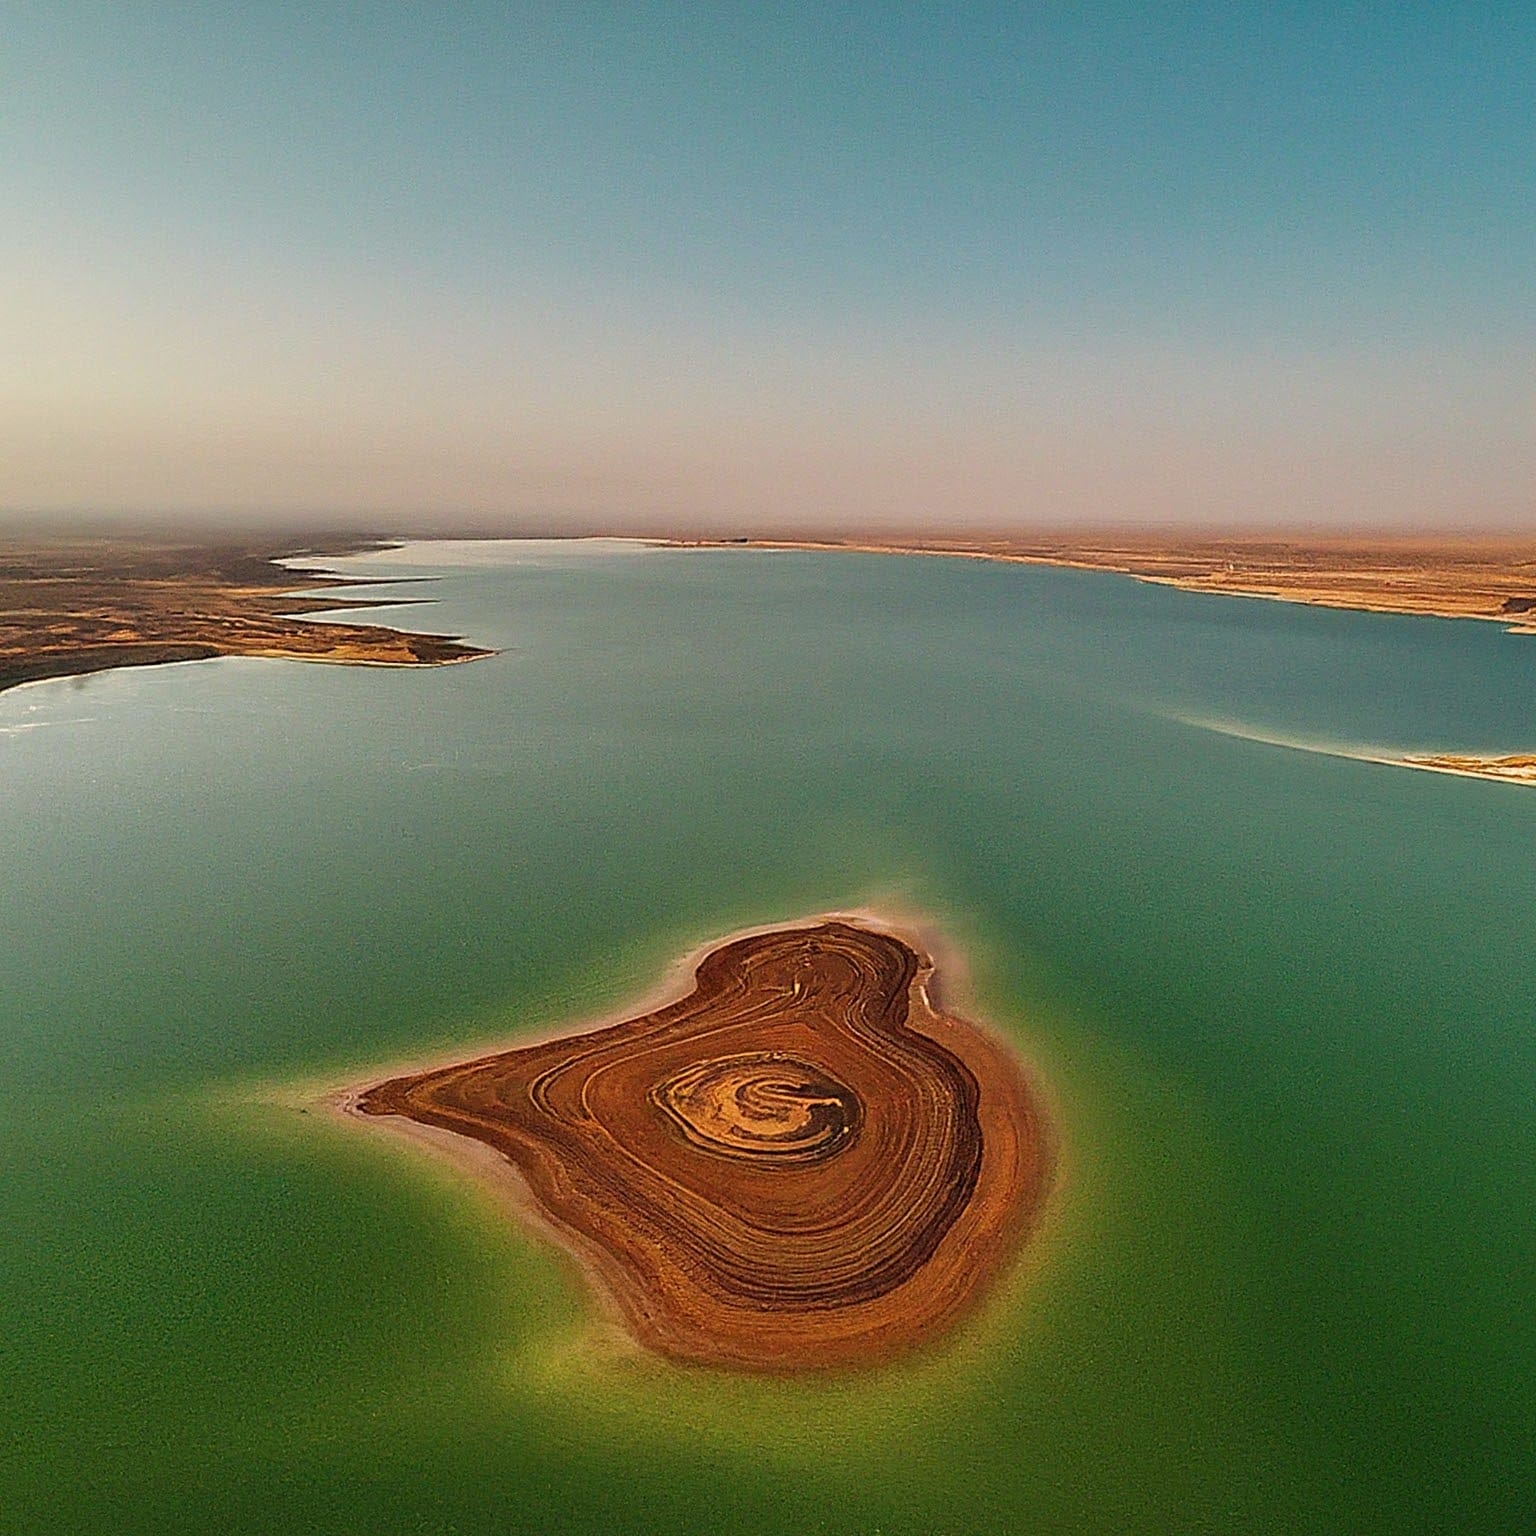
<point x="654" y="270"/>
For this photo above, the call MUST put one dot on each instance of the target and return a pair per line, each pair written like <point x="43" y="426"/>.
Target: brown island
<point x="70" y="606"/>
<point x="803" y="1163"/>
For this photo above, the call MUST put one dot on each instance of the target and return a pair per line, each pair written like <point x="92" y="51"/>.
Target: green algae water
<point x="1283" y="1003"/>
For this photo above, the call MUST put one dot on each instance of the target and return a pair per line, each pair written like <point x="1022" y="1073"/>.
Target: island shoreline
<point x="605" y="1285"/>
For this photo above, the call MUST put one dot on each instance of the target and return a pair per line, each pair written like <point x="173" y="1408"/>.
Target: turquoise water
<point x="1284" y="1004"/>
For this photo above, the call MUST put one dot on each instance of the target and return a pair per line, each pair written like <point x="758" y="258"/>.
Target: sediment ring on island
<point x="801" y="1164"/>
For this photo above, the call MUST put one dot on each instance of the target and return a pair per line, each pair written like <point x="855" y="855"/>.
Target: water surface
<point x="1284" y="1004"/>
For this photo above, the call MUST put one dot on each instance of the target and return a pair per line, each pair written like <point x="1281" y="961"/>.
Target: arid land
<point x="804" y="1163"/>
<point x="76" y="605"/>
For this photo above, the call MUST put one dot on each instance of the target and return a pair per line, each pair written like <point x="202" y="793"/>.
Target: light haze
<point x="576" y="268"/>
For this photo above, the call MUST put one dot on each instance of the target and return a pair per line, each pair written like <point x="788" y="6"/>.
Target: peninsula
<point x="70" y="606"/>
<point x="803" y="1163"/>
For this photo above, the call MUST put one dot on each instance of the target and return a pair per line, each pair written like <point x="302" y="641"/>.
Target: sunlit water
<point x="1284" y="1005"/>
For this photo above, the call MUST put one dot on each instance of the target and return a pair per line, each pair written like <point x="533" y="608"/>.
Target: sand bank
<point x="1514" y="768"/>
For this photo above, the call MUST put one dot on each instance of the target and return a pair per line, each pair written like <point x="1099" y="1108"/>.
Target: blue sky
<point x="589" y="265"/>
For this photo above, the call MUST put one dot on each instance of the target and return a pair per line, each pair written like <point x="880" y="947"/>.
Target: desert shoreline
<point x="1447" y="578"/>
<point x="1456" y="579"/>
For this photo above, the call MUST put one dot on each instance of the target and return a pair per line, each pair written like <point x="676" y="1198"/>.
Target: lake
<point x="1283" y="1005"/>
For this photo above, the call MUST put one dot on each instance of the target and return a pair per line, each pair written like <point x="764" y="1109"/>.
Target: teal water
<point x="1284" y="1003"/>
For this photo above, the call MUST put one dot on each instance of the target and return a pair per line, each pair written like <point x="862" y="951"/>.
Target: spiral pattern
<point x="760" y="1105"/>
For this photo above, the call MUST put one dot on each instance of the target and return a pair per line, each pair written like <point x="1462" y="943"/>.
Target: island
<point x="803" y="1163"/>
<point x="75" y="605"/>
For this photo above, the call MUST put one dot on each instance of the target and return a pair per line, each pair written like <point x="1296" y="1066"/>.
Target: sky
<point x="754" y="268"/>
